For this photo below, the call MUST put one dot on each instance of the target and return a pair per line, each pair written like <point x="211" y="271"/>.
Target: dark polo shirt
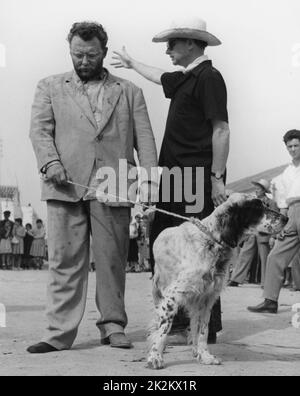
<point x="197" y="98"/>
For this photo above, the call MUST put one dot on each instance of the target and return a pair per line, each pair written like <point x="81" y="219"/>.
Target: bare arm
<point x="123" y="60"/>
<point x="220" y="142"/>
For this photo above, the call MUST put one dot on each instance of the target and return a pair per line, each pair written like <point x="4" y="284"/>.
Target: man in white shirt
<point x="288" y="243"/>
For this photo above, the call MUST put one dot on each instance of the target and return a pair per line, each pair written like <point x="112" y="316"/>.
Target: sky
<point x="259" y="60"/>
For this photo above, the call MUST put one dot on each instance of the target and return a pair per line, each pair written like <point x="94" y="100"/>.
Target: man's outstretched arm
<point x="123" y="60"/>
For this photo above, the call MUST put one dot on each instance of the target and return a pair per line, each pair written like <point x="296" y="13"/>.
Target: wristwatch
<point x="217" y="175"/>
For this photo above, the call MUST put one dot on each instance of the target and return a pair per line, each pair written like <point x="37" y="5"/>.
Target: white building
<point x="10" y="200"/>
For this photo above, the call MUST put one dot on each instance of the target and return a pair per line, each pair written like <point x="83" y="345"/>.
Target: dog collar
<point x="206" y="231"/>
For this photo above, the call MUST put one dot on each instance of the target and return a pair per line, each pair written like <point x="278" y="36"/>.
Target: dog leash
<point x="192" y="220"/>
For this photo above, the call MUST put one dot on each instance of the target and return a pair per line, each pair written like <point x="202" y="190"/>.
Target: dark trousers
<point x="162" y="221"/>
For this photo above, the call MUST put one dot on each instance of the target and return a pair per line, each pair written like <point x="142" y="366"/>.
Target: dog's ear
<point x="229" y="226"/>
<point x="238" y="217"/>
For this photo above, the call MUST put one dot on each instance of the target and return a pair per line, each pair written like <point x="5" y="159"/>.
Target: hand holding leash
<point x="56" y="173"/>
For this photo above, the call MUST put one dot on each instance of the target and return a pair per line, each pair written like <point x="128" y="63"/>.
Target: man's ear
<point x="190" y="43"/>
<point x="105" y="51"/>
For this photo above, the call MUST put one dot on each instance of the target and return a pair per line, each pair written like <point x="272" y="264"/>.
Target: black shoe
<point x="233" y="284"/>
<point x="42" y="347"/>
<point x="268" y="306"/>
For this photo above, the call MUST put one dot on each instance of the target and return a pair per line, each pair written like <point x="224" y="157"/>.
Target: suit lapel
<point x="111" y="95"/>
<point x="76" y="90"/>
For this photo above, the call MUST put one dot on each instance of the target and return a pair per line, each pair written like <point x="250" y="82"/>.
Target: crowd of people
<point x="21" y="247"/>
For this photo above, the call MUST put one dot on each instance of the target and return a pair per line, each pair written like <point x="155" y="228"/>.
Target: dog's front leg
<point x="203" y="355"/>
<point x="166" y="312"/>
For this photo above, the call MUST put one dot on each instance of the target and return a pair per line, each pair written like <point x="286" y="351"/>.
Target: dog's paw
<point x="155" y="361"/>
<point x="208" y="360"/>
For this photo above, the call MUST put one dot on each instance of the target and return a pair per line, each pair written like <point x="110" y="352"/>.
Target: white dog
<point x="191" y="264"/>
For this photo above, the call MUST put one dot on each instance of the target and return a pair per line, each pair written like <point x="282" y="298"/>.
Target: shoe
<point x="117" y="340"/>
<point x="42" y="347"/>
<point x="268" y="306"/>
<point x="233" y="284"/>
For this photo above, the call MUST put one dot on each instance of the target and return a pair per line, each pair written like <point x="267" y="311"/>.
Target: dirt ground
<point x="250" y="344"/>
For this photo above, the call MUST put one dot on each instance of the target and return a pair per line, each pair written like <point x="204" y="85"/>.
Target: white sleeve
<point x="280" y="192"/>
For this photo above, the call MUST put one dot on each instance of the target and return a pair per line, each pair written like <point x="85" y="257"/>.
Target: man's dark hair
<point x="87" y="31"/>
<point x="290" y="135"/>
<point x="19" y="220"/>
<point x="39" y="221"/>
<point x="28" y="225"/>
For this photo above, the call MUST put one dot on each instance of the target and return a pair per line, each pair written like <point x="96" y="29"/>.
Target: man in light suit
<point x="82" y="122"/>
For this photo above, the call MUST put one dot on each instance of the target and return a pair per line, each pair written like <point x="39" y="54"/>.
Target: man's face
<point x="87" y="57"/>
<point x="260" y="192"/>
<point x="178" y="51"/>
<point x="293" y="147"/>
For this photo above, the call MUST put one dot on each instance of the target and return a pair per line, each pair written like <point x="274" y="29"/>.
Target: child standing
<point x="5" y="245"/>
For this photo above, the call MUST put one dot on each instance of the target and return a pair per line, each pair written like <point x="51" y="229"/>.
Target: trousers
<point x="69" y="228"/>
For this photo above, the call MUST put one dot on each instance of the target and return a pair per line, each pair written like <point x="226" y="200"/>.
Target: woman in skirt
<point x="37" y="250"/>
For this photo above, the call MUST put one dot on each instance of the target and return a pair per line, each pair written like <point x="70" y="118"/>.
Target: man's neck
<point x="192" y="58"/>
<point x="296" y="163"/>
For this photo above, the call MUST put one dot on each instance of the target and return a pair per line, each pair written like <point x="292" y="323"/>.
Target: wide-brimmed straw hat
<point x="188" y="28"/>
<point x="265" y="184"/>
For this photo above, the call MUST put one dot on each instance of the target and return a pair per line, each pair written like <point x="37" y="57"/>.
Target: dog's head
<point x="243" y="214"/>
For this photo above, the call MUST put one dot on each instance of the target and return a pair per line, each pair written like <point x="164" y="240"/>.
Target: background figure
<point x="28" y="239"/>
<point x="142" y="244"/>
<point x="255" y="243"/>
<point x="19" y="233"/>
<point x="37" y="250"/>
<point x="292" y="274"/>
<point x="5" y="244"/>
<point x="133" y="252"/>
<point x="146" y="224"/>
<point x="296" y="272"/>
<point x="288" y="241"/>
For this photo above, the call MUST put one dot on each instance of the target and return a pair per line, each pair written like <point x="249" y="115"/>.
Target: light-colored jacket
<point x="63" y="127"/>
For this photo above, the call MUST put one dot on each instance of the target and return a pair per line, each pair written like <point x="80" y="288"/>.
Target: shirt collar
<point x="195" y="63"/>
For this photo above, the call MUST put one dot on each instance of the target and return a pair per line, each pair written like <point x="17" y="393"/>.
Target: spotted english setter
<point x="191" y="267"/>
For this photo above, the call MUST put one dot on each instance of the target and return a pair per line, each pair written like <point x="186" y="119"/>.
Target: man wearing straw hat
<point x="254" y="243"/>
<point x="197" y="131"/>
